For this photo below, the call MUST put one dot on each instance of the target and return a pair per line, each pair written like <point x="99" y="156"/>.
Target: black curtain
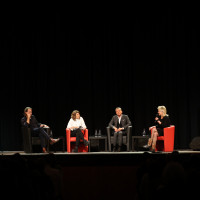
<point x="57" y="64"/>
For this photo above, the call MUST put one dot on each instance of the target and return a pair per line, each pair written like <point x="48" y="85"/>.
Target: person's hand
<point x="81" y="128"/>
<point x="28" y="115"/>
<point x="119" y="129"/>
<point x="156" y="119"/>
<point x="44" y="125"/>
<point x="159" y="122"/>
<point x="74" y="127"/>
<point x="116" y="130"/>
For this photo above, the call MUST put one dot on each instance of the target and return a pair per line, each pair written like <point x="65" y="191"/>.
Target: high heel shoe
<point x="53" y="141"/>
<point x="148" y="145"/>
<point x="86" y="143"/>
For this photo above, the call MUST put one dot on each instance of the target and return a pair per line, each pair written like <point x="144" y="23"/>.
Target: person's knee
<point x="155" y="134"/>
<point x="79" y="132"/>
<point x="115" y="134"/>
<point x="120" y="133"/>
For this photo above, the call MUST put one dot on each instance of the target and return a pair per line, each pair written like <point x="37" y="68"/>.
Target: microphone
<point x="157" y="115"/>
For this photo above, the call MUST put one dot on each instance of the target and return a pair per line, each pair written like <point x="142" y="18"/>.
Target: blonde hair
<point x="163" y="109"/>
<point x="73" y="115"/>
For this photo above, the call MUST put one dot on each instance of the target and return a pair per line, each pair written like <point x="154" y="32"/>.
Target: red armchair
<point x="166" y="142"/>
<point x="71" y="141"/>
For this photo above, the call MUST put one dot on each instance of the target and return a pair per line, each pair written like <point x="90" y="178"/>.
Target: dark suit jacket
<point x="125" y="122"/>
<point x="33" y="122"/>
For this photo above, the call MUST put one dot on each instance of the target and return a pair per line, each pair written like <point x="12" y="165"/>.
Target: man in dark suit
<point x="119" y="123"/>
<point x="30" y="121"/>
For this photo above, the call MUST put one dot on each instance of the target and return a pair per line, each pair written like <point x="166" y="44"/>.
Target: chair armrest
<point x="129" y="137"/>
<point x="85" y="132"/>
<point x="168" y="131"/>
<point x="129" y="132"/>
<point x="108" y="136"/>
<point x="108" y="128"/>
<point x="27" y="139"/>
<point x="68" y="132"/>
<point x="26" y="133"/>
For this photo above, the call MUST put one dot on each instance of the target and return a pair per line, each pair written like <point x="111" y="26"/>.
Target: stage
<point x="180" y="151"/>
<point x="102" y="158"/>
<point x="94" y="175"/>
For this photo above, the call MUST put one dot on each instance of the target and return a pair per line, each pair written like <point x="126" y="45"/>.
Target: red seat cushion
<point x="160" y="138"/>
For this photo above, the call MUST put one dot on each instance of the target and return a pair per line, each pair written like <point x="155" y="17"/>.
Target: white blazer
<point x="76" y="123"/>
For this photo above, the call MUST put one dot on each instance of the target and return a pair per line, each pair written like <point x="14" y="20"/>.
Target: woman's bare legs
<point x="153" y="139"/>
<point x="154" y="135"/>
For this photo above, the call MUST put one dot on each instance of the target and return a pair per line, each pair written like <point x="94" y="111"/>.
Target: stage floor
<point x="99" y="173"/>
<point x="180" y="151"/>
<point x="102" y="158"/>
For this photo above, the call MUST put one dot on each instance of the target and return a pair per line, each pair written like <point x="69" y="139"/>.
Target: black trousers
<point x="118" y="138"/>
<point x="44" y="137"/>
<point x="79" y="136"/>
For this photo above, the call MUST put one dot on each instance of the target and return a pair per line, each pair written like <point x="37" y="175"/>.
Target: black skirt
<point x="160" y="131"/>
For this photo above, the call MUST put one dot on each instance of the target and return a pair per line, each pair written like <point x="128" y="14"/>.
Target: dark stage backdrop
<point x="56" y="64"/>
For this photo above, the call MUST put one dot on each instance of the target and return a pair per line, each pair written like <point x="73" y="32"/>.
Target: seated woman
<point x="161" y="121"/>
<point x="76" y="124"/>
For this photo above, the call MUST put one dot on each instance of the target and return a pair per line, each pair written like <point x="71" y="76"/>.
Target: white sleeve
<point x="70" y="123"/>
<point x="83" y="123"/>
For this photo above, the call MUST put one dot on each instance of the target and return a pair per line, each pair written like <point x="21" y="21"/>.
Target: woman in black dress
<point x="161" y="121"/>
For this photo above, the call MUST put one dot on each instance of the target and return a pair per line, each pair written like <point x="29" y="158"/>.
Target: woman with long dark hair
<point x="76" y="124"/>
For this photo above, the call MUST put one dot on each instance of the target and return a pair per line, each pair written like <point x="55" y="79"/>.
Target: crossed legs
<point x="152" y="141"/>
<point x="44" y="138"/>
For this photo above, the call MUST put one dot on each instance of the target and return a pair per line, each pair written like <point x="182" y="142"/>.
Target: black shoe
<point x="53" y="141"/>
<point x="114" y="149"/>
<point x="75" y="150"/>
<point x="153" y="151"/>
<point x="86" y="143"/>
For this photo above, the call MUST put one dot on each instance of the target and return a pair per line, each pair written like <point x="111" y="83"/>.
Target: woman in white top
<point x="76" y="124"/>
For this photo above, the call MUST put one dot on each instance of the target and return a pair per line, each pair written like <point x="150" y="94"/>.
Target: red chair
<point x="71" y="141"/>
<point x="166" y="142"/>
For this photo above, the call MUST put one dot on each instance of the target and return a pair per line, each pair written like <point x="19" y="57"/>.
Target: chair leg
<point x="128" y="146"/>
